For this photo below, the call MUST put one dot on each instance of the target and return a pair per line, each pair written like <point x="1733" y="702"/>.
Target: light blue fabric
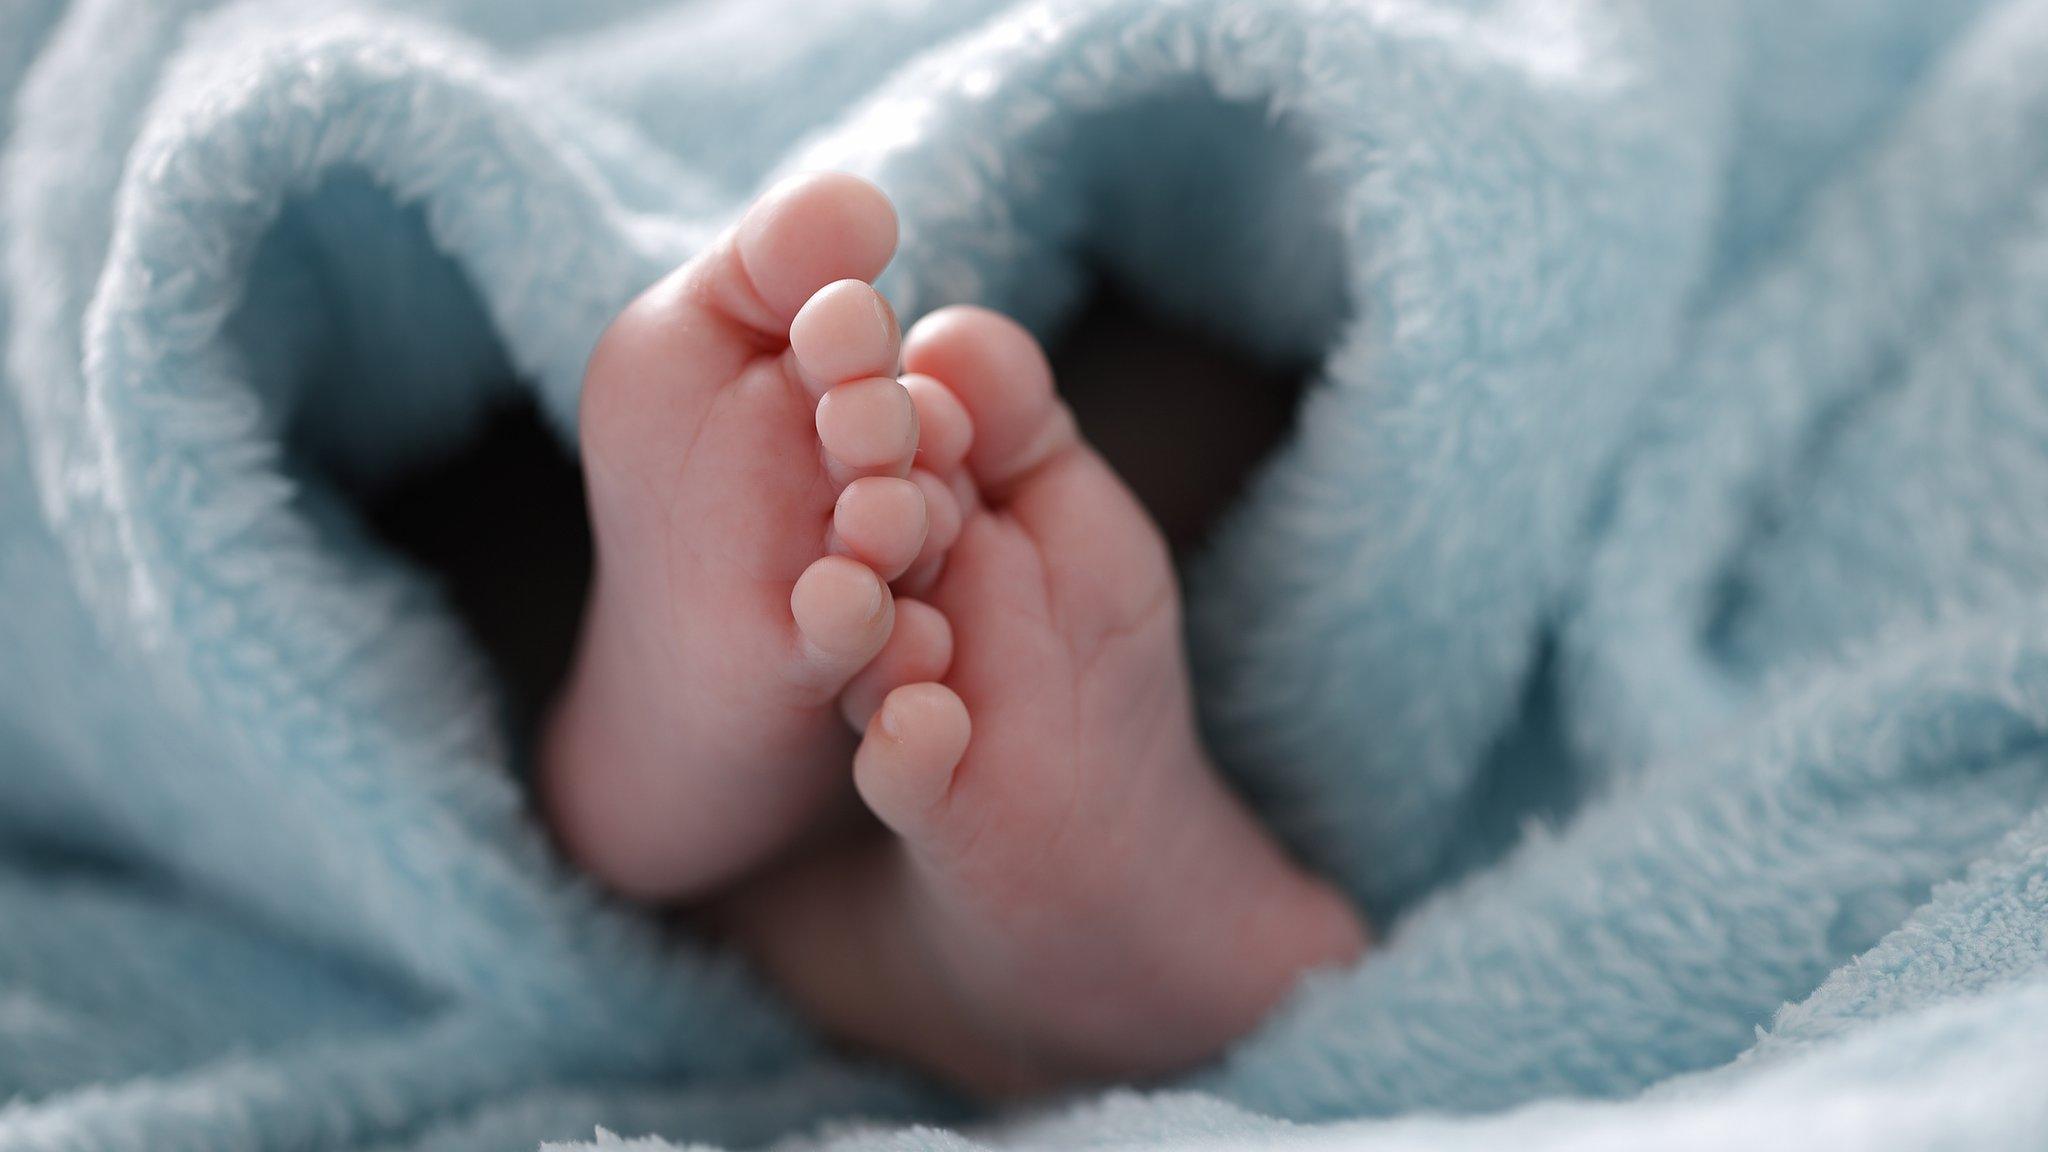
<point x="1647" y="621"/>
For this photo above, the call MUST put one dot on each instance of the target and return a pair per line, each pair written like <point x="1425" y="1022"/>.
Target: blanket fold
<point x="1644" y="621"/>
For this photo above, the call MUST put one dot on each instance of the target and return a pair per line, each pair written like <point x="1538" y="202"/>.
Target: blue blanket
<point x="1647" y="620"/>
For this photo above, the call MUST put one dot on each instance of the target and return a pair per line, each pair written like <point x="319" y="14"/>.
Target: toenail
<point x="885" y="320"/>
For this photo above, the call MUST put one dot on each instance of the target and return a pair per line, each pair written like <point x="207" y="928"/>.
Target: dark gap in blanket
<point x="501" y="524"/>
<point x="1529" y="775"/>
<point x="1729" y="631"/>
<point x="1183" y="417"/>
<point x="1214" y="243"/>
<point x="34" y="849"/>
<point x="402" y="421"/>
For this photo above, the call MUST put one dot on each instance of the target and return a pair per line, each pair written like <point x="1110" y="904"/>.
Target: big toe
<point x="1027" y="457"/>
<point x="1001" y="377"/>
<point x="805" y="233"/>
<point x="700" y="326"/>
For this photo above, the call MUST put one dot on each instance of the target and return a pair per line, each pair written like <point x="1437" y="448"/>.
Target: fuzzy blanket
<point x="1647" y="621"/>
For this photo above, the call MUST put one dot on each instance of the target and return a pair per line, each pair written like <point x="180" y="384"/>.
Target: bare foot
<point x="749" y="457"/>
<point x="1068" y="891"/>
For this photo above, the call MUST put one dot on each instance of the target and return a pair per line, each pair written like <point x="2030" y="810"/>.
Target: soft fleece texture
<point x="1646" y="622"/>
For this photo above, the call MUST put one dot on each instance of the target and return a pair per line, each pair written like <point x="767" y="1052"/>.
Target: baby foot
<point x="1070" y="890"/>
<point x="749" y="457"/>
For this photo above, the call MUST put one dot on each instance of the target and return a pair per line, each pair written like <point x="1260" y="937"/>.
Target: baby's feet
<point x="1069" y="891"/>
<point x="749" y="457"/>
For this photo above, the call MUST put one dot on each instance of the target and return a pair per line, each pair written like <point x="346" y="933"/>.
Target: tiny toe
<point x="942" y="512"/>
<point x="944" y="430"/>
<point x="845" y="332"/>
<point x="843" y="615"/>
<point x="803" y="234"/>
<point x="882" y="522"/>
<point x="943" y="518"/>
<point x="905" y="764"/>
<point x="920" y="648"/>
<point x="867" y="427"/>
<point x="1001" y="378"/>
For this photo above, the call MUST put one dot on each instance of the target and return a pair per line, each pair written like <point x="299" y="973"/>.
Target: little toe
<point x="844" y="332"/>
<point x="868" y="428"/>
<point x="904" y="767"/>
<point x="843" y="614"/>
<point x="920" y="649"/>
<point x="882" y="521"/>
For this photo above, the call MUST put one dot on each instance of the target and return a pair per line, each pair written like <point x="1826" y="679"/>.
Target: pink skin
<point x="749" y="458"/>
<point x="1067" y="890"/>
<point x="1058" y="886"/>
